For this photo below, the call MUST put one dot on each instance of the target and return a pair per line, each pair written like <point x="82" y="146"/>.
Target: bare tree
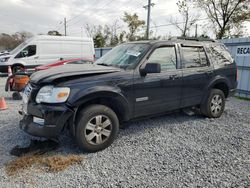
<point x="115" y="34"/>
<point x="97" y="33"/>
<point x="107" y="35"/>
<point x="10" y="41"/>
<point x="187" y="20"/>
<point x="226" y="15"/>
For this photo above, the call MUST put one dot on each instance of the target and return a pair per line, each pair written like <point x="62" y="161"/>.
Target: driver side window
<point x="27" y="52"/>
<point x="165" y="56"/>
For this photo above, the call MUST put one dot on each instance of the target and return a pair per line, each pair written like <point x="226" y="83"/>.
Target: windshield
<point x="124" y="56"/>
<point x="19" y="47"/>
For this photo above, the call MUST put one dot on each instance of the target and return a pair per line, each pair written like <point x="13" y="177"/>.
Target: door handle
<point x="174" y="76"/>
<point x="209" y="72"/>
<point x="36" y="57"/>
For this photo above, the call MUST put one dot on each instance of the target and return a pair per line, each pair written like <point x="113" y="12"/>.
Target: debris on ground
<point x="36" y="147"/>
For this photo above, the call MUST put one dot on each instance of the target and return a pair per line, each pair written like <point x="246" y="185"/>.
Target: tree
<point x="99" y="40"/>
<point x="108" y="35"/>
<point x="10" y="41"/>
<point x="54" y="33"/>
<point x="99" y="34"/>
<point x="187" y="21"/>
<point x="115" y="36"/>
<point x="134" y="25"/>
<point x="227" y="16"/>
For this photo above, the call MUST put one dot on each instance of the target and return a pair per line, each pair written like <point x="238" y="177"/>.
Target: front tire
<point x="214" y="104"/>
<point x="96" y="128"/>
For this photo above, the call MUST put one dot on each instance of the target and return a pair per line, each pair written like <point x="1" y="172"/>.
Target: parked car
<point x="44" y="49"/>
<point x="64" y="62"/>
<point x="133" y="80"/>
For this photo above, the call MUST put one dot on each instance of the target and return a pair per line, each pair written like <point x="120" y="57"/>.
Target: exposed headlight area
<point x="4" y="59"/>
<point x="51" y="94"/>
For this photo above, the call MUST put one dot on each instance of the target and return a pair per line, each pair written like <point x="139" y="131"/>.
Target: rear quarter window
<point x="193" y="57"/>
<point x="220" y="54"/>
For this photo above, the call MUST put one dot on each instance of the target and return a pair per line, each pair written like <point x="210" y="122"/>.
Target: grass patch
<point x="242" y="98"/>
<point x="54" y="163"/>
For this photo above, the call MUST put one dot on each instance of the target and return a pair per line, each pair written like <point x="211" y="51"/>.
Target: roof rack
<point x="196" y="39"/>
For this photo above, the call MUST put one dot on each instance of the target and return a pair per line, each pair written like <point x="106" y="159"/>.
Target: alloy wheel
<point x="216" y="104"/>
<point x="98" y="130"/>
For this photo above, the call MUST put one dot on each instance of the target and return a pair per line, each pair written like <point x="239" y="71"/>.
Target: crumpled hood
<point x="69" y="71"/>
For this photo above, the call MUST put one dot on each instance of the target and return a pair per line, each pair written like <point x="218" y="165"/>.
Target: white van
<point x="45" y="49"/>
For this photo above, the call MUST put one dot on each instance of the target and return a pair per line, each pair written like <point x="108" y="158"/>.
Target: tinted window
<point x="165" y="56"/>
<point x="220" y="54"/>
<point x="27" y="52"/>
<point x="194" y="57"/>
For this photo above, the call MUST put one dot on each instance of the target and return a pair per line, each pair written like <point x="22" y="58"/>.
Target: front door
<point x="28" y="55"/>
<point x="159" y="92"/>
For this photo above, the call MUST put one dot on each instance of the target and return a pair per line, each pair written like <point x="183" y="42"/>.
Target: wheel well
<point x="15" y="65"/>
<point x="223" y="87"/>
<point x="112" y="103"/>
<point x="21" y="65"/>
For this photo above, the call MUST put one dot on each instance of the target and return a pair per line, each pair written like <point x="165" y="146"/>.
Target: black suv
<point x="131" y="81"/>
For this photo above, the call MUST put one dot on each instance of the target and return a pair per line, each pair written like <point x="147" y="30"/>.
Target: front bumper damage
<point x="45" y="120"/>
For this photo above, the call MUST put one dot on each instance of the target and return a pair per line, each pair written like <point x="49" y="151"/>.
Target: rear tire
<point x="96" y="128"/>
<point x="214" y="104"/>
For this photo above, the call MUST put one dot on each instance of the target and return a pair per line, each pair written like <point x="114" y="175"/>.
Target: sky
<point x="41" y="16"/>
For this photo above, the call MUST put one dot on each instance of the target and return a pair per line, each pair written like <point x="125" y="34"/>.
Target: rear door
<point x="197" y="73"/>
<point x="159" y="92"/>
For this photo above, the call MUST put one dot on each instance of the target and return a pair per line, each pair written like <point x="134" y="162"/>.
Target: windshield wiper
<point x="110" y="65"/>
<point x="104" y="64"/>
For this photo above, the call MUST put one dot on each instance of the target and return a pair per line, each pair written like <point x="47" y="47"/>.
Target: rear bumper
<point x="233" y="90"/>
<point x="55" y="118"/>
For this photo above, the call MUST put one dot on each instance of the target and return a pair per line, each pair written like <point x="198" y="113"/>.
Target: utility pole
<point x="148" y="17"/>
<point x="65" y="22"/>
<point x="196" y="32"/>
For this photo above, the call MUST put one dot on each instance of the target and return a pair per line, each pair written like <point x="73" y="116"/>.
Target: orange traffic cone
<point x="3" y="105"/>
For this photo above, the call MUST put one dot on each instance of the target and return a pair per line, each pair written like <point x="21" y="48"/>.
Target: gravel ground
<point x="171" y="151"/>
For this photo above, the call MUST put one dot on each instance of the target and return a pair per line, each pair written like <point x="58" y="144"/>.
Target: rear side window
<point x="220" y="54"/>
<point x="165" y="56"/>
<point x="194" y="57"/>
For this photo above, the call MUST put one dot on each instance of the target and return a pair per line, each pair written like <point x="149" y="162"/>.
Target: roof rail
<point x="196" y="39"/>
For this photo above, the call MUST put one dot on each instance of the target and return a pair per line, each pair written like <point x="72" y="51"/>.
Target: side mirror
<point x="150" y="68"/>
